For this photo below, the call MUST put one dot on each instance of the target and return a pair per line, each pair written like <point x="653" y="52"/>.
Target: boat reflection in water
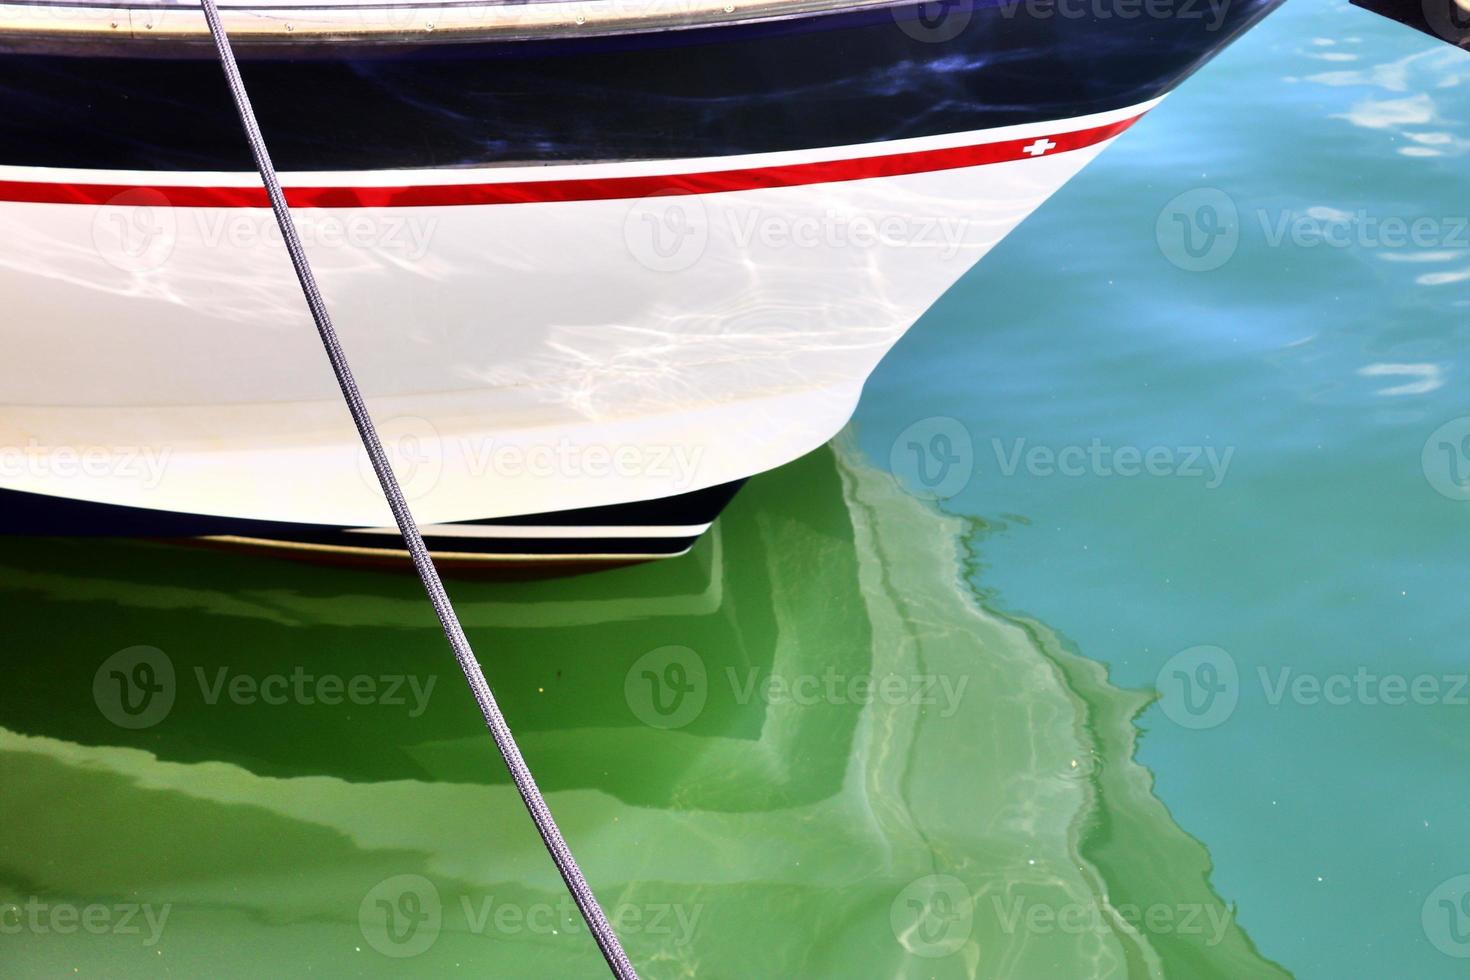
<point x="804" y="749"/>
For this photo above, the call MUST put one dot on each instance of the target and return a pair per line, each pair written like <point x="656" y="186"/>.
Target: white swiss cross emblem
<point x="1039" y="147"/>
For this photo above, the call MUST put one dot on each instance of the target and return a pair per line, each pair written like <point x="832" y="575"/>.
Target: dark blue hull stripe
<point x="38" y="514"/>
<point x="812" y="82"/>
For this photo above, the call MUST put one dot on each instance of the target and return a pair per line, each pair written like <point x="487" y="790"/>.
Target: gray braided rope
<point x="602" y="931"/>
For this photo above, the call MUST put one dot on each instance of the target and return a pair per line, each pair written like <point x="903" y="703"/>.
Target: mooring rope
<point x="602" y="931"/>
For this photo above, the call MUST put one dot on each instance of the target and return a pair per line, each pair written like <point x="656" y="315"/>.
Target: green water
<point x="974" y="811"/>
<point x="858" y="733"/>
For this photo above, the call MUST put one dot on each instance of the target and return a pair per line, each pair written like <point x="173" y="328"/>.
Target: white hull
<point x="519" y="358"/>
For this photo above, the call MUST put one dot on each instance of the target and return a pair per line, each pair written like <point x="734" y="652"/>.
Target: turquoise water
<point x="1323" y="369"/>
<point x="1200" y="418"/>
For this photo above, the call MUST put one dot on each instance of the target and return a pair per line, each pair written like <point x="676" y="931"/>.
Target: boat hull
<point x="534" y="335"/>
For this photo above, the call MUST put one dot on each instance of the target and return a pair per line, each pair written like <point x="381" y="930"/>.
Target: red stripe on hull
<point x="575" y="189"/>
